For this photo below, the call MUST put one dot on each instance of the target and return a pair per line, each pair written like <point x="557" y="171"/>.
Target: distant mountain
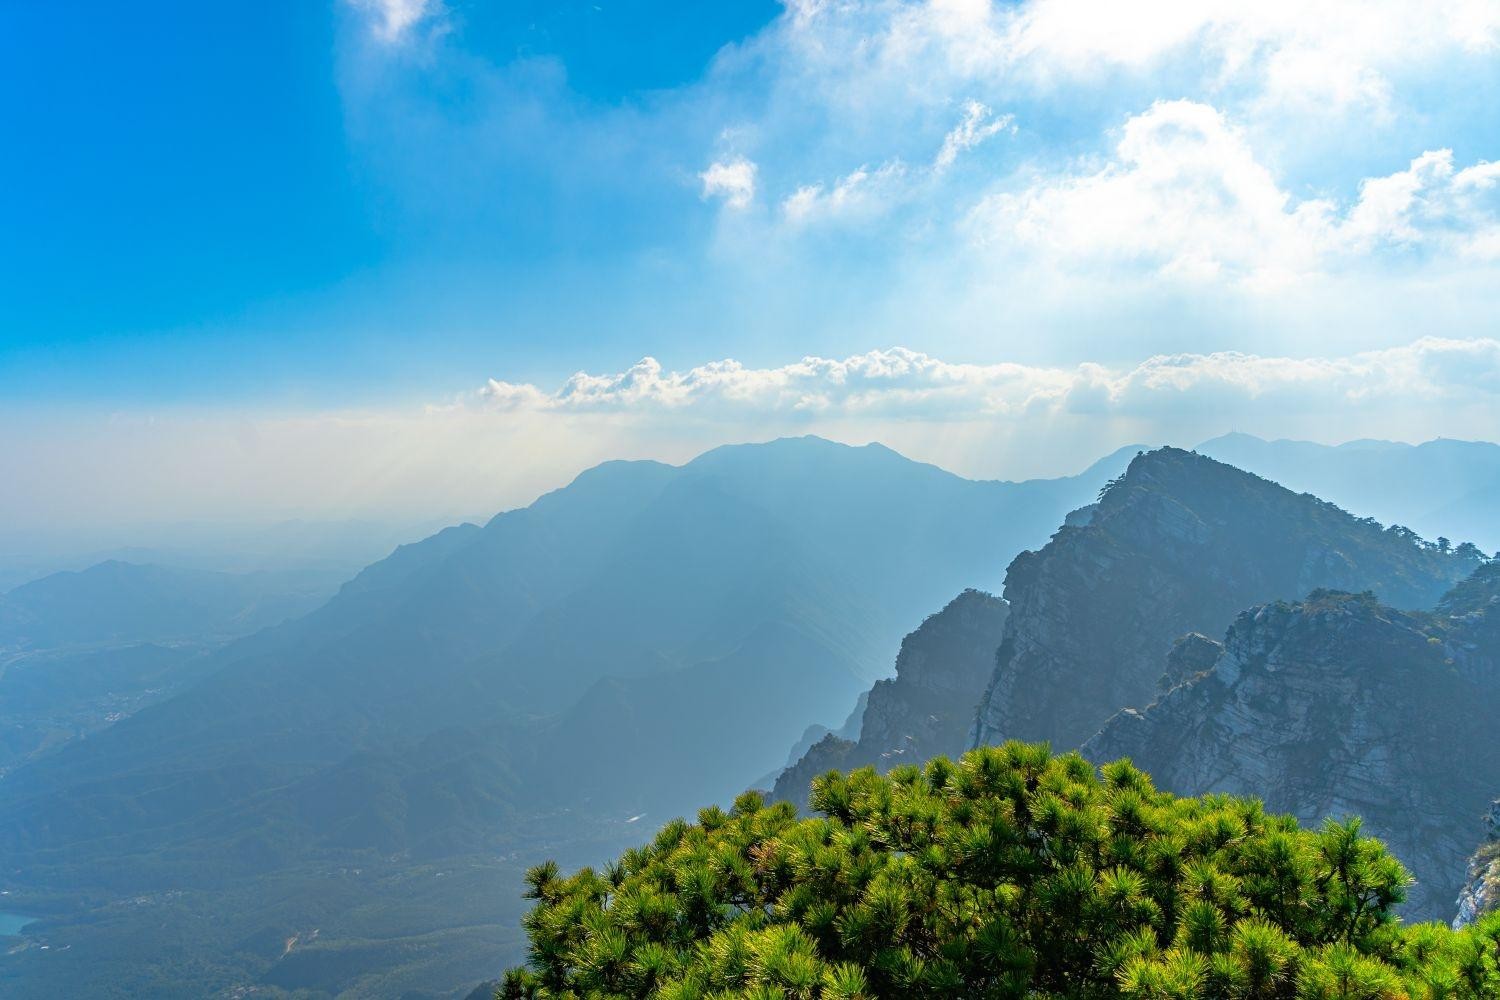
<point x="926" y="709"/>
<point x="645" y="639"/>
<point x="116" y="602"/>
<point x="321" y="553"/>
<point x="703" y="725"/>
<point x="81" y="650"/>
<point x="1179" y="544"/>
<point x="633" y="571"/>
<point x="1438" y="488"/>
<point x="1338" y="705"/>
<point x="847" y="733"/>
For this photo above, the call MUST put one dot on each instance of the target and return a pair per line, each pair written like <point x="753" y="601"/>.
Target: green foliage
<point x="1010" y="873"/>
<point x="1474" y="593"/>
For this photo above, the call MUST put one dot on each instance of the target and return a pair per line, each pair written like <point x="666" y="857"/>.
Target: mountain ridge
<point x="1338" y="705"/>
<point x="1180" y="543"/>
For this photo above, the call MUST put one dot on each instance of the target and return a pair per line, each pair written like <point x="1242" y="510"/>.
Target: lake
<point x="11" y="923"/>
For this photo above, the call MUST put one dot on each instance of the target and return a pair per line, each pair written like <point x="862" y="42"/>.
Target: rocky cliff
<point x="926" y="709"/>
<point x="1340" y="705"/>
<point x="1179" y="544"/>
<point x="1481" y="890"/>
<point x="1476" y="602"/>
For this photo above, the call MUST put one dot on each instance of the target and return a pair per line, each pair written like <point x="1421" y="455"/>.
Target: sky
<point x="427" y="257"/>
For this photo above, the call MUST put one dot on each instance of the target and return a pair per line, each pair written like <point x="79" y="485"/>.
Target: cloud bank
<point x="903" y="384"/>
<point x="501" y="445"/>
<point x="1185" y="195"/>
<point x="1323" y="57"/>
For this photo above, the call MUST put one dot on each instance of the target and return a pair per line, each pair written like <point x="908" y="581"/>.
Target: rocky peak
<point x="1178" y="544"/>
<point x="1190" y="656"/>
<point x="1337" y="706"/>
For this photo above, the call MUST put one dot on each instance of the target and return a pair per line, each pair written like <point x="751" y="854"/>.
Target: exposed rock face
<point x="926" y="709"/>
<point x="1191" y="655"/>
<point x="1481" y="891"/>
<point x="943" y="667"/>
<point x="1476" y="602"/>
<point x="1341" y="706"/>
<point x="1179" y="544"/>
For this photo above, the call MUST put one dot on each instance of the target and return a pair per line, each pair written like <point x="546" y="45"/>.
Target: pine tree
<point x="1012" y="873"/>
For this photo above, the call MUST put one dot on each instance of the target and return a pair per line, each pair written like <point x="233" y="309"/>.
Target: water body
<point x="11" y="923"/>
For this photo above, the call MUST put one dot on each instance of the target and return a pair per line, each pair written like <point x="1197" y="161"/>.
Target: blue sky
<point x="262" y="199"/>
<point x="386" y="234"/>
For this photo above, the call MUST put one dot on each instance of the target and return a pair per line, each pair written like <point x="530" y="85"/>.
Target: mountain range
<point x="345" y="801"/>
<point x="1338" y="705"/>
<point x="643" y="640"/>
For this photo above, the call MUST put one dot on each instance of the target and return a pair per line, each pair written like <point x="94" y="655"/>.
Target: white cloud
<point x="1251" y="180"/>
<point x="1185" y="195"/>
<point x="866" y="192"/>
<point x="860" y="192"/>
<point x="978" y="125"/>
<point x="1319" y="57"/>
<point x="732" y="179"/>
<point x="905" y="384"/>
<point x="1430" y="204"/>
<point x="391" y="20"/>
<point x="481" y="455"/>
